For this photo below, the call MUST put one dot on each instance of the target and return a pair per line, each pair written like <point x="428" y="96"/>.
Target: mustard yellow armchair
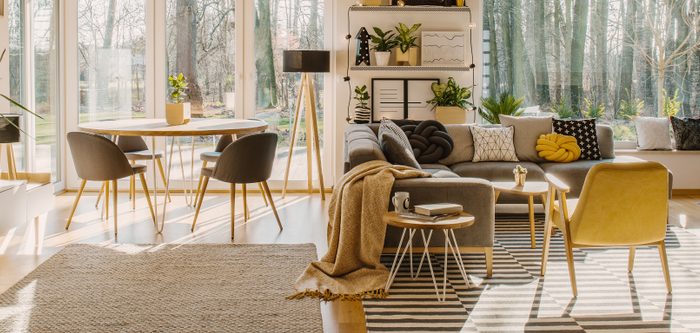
<point x="622" y="204"/>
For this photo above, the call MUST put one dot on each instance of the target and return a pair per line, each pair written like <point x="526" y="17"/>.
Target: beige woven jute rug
<point x="164" y="288"/>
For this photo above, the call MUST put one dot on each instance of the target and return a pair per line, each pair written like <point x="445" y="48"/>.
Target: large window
<point x="610" y="60"/>
<point x="15" y="56"/>
<point x="282" y="25"/>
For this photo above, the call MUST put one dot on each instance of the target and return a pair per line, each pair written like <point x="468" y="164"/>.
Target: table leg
<point x="444" y="276"/>
<point x="397" y="264"/>
<point x="155" y="180"/>
<point x="531" y="213"/>
<point x="426" y="253"/>
<point x="458" y="256"/>
<point x="169" y="166"/>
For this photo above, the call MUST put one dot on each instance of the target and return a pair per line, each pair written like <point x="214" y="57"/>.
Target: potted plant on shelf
<point x="407" y="49"/>
<point x="451" y="102"/>
<point x="178" y="112"/>
<point x="362" y="110"/>
<point x="505" y="105"/>
<point x="383" y="42"/>
<point x="10" y="127"/>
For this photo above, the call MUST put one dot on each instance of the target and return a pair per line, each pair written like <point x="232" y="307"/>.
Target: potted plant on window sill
<point x="407" y="47"/>
<point x="178" y="112"/>
<point x="451" y="102"/>
<point x="505" y="105"/>
<point x="384" y="42"/>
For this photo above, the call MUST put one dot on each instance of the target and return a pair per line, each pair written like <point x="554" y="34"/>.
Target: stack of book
<point x="435" y="212"/>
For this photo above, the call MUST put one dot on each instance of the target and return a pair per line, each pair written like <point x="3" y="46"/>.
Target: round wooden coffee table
<point x="413" y="224"/>
<point x="530" y="190"/>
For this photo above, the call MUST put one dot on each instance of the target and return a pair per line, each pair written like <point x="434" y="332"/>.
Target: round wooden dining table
<point x="155" y="128"/>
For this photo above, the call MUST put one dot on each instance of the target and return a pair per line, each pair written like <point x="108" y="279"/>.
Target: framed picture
<point x="402" y="99"/>
<point x="443" y="48"/>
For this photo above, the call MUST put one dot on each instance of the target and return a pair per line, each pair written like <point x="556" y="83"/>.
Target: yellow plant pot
<point x="451" y="115"/>
<point x="177" y="114"/>
<point x="520" y="179"/>
<point x="410" y="58"/>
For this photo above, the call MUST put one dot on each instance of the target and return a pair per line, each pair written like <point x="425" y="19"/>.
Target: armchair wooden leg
<point x="262" y="191"/>
<point x="115" y="204"/>
<point x="199" y="184"/>
<point x="144" y="186"/>
<point x="162" y="177"/>
<point x="570" y="262"/>
<point x="205" y="182"/>
<point x="75" y="203"/>
<point x="233" y="210"/>
<point x="664" y="265"/>
<point x="246" y="213"/>
<point x="272" y="203"/>
<point x="630" y="259"/>
<point x="488" y="254"/>
<point x="531" y="215"/>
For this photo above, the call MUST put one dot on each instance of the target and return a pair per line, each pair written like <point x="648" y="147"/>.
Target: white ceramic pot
<point x="382" y="58"/>
<point x="178" y="114"/>
<point x="409" y="58"/>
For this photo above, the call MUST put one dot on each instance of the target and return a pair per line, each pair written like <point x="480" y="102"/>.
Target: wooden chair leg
<point x="75" y="203"/>
<point x="246" y="213"/>
<point x="233" y="210"/>
<point x="199" y="184"/>
<point x="664" y="265"/>
<point x="570" y="263"/>
<point x="106" y="204"/>
<point x="545" y="246"/>
<point x="162" y="177"/>
<point x="630" y="259"/>
<point x="205" y="182"/>
<point x="262" y="191"/>
<point x="144" y="186"/>
<point x="272" y="203"/>
<point x="115" y="204"/>
<point x="99" y="196"/>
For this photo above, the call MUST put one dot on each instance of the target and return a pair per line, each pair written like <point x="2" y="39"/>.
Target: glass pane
<point x="112" y="51"/>
<point x="282" y="25"/>
<point x="201" y="44"/>
<point x="46" y="94"/>
<point x="15" y="56"/>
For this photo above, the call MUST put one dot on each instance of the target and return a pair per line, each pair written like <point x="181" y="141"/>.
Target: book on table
<point x="438" y="209"/>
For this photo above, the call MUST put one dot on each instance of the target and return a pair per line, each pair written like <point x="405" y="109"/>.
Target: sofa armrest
<point x="475" y="195"/>
<point x="361" y="145"/>
<point x="606" y="141"/>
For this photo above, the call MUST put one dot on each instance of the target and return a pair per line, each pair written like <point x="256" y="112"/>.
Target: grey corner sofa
<point x="468" y="183"/>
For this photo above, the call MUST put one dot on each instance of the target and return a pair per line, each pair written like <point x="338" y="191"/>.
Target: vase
<point x="382" y="58"/>
<point x="460" y="3"/>
<point x="409" y="58"/>
<point x="450" y="115"/>
<point x="9" y="133"/>
<point x="520" y="179"/>
<point x="177" y="113"/>
<point x="362" y="115"/>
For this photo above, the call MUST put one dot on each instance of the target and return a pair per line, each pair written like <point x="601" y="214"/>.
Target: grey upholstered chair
<point x="245" y="161"/>
<point x="99" y="159"/>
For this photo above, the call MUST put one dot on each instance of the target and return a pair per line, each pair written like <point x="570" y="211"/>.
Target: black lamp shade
<point x="306" y="61"/>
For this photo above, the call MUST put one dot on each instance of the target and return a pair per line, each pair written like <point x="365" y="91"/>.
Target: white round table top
<point x="530" y="187"/>
<point x="159" y="127"/>
<point x="462" y="220"/>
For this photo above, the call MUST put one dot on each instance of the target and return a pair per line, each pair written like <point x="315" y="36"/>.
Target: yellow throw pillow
<point x="558" y="148"/>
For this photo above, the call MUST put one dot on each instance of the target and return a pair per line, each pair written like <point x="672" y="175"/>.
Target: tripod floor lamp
<point x="305" y="62"/>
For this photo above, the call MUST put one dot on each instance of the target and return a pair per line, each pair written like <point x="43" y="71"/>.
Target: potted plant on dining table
<point x="178" y="112"/>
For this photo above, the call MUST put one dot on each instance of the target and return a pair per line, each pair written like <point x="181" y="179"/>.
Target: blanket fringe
<point x="328" y="296"/>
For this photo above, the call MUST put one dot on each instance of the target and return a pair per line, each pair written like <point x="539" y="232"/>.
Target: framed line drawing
<point x="402" y="99"/>
<point x="443" y="48"/>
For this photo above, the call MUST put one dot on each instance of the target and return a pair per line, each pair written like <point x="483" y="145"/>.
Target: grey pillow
<point x="463" y="150"/>
<point x="687" y="133"/>
<point x="526" y="132"/>
<point x="653" y="133"/>
<point x="395" y="145"/>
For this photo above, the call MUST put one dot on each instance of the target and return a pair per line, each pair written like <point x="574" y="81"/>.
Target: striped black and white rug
<point x="516" y="299"/>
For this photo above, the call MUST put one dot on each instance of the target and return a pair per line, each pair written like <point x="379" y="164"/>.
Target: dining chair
<point x="99" y="159"/>
<point x="245" y="161"/>
<point x="621" y="205"/>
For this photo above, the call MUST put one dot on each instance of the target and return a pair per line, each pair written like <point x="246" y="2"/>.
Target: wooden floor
<point x="304" y="218"/>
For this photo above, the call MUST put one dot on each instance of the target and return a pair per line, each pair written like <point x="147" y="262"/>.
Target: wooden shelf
<point x="410" y="68"/>
<point x="409" y="9"/>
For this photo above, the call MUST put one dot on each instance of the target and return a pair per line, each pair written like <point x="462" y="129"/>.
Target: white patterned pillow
<point x="493" y="144"/>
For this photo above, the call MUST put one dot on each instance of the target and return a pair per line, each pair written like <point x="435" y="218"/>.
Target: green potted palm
<point x="407" y="49"/>
<point x="451" y="102"/>
<point x="10" y="124"/>
<point x="506" y="104"/>
<point x="178" y="112"/>
<point x="382" y="44"/>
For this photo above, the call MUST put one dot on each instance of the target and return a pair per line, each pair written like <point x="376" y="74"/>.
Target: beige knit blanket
<point x="351" y="269"/>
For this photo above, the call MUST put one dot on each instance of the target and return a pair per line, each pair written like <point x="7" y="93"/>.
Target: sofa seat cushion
<point x="497" y="171"/>
<point x="439" y="171"/>
<point x="574" y="173"/>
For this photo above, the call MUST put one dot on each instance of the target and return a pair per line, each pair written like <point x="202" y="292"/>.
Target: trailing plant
<point x="592" y="110"/>
<point x="383" y="41"/>
<point x="506" y="104"/>
<point x="563" y="109"/>
<point x="672" y="104"/>
<point x="178" y="87"/>
<point x="630" y="109"/>
<point x="406" y="38"/>
<point x="451" y="94"/>
<point x="15" y="103"/>
<point x="361" y="96"/>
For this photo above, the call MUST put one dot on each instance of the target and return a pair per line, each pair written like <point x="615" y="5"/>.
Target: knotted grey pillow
<point x="429" y="141"/>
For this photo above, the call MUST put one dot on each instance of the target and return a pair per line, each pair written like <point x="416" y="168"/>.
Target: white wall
<point x="387" y="20"/>
<point x="685" y="165"/>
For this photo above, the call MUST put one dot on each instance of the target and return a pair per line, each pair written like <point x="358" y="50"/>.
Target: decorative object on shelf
<point x="362" y="110"/>
<point x="400" y="3"/>
<point x="520" y="175"/>
<point x="459" y="3"/>
<point x="384" y="42"/>
<point x="426" y="2"/>
<point x="376" y="2"/>
<point x="558" y="148"/>
<point x="178" y="112"/>
<point x="407" y="51"/>
<point x="443" y="48"/>
<point x="362" y="49"/>
<point x="305" y="62"/>
<point x="506" y="104"/>
<point x="451" y="102"/>
<point x="402" y="99"/>
<point x="687" y="133"/>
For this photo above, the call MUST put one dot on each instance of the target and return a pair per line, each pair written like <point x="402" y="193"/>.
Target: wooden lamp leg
<point x="292" y="140"/>
<point x="308" y="110"/>
<point x="314" y="125"/>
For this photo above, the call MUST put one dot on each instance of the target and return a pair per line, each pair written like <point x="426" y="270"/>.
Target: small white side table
<point x="447" y="226"/>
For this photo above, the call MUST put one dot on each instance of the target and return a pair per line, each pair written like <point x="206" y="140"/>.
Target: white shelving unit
<point x="411" y="68"/>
